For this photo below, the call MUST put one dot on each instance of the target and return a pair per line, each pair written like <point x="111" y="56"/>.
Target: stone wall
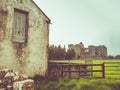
<point x="11" y="80"/>
<point x="77" y="48"/>
<point x="31" y="56"/>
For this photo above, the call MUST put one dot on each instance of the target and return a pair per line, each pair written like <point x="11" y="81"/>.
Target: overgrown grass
<point x="42" y="83"/>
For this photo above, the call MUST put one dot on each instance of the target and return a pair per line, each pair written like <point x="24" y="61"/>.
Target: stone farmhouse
<point x="91" y="52"/>
<point x="24" y="37"/>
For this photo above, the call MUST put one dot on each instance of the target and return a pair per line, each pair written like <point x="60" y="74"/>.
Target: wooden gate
<point x="73" y="70"/>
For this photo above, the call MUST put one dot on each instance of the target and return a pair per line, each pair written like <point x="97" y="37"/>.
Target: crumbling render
<point x="3" y="15"/>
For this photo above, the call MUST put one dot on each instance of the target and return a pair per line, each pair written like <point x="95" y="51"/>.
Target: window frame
<point x="14" y="36"/>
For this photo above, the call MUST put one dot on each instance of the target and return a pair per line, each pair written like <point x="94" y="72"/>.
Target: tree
<point x="51" y="52"/>
<point x="117" y="57"/>
<point x="110" y="57"/>
<point x="60" y="52"/>
<point x="56" y="52"/>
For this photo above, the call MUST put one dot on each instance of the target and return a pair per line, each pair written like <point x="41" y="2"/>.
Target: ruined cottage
<point x="24" y="37"/>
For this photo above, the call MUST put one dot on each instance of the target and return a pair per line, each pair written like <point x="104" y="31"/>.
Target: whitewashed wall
<point x="30" y="57"/>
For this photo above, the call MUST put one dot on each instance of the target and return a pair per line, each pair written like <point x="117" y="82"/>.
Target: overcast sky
<point x="93" y="22"/>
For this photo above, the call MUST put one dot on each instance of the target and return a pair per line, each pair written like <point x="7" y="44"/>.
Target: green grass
<point x="83" y="61"/>
<point x="77" y="84"/>
<point x="110" y="70"/>
<point x="109" y="83"/>
<point x="69" y="61"/>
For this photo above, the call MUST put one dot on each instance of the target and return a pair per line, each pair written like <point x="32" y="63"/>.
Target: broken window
<point x="86" y="50"/>
<point x="20" y="26"/>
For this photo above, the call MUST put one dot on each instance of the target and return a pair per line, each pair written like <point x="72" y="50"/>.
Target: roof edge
<point x="49" y="21"/>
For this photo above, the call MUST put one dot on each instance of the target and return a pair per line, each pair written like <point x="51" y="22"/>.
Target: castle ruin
<point x="91" y="52"/>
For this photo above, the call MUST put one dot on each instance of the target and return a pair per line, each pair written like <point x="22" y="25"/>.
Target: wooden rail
<point x="73" y="70"/>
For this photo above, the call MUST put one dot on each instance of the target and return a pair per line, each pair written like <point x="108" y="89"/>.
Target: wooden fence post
<point x="62" y="71"/>
<point x="103" y="70"/>
<point x="69" y="70"/>
<point x="48" y="71"/>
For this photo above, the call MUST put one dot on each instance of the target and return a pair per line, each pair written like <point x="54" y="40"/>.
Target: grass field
<point x="76" y="84"/>
<point x="112" y="67"/>
<point x="84" y="61"/>
<point x="85" y="83"/>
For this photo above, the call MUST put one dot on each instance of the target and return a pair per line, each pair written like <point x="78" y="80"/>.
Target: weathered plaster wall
<point x="30" y="57"/>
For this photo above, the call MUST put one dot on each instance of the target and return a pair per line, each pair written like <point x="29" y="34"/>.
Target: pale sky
<point x="93" y="22"/>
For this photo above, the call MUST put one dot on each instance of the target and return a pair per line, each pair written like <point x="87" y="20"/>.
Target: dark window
<point x="20" y="26"/>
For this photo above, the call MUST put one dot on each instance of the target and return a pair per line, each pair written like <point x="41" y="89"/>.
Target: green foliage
<point x="117" y="57"/>
<point x="56" y="52"/>
<point x="77" y="84"/>
<point x="110" y="57"/>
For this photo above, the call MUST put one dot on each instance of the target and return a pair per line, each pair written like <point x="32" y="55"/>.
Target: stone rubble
<point x="10" y="80"/>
